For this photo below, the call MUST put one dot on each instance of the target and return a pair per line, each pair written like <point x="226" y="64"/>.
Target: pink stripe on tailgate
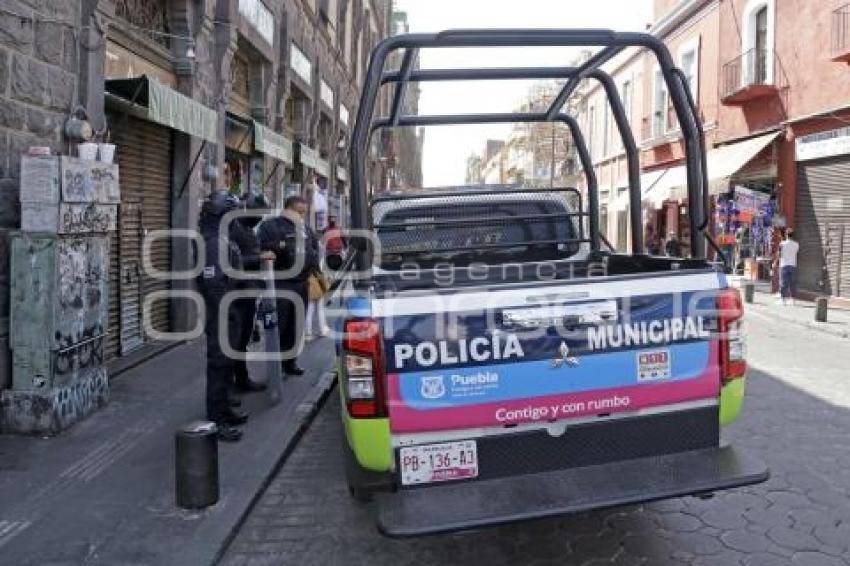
<point x="555" y="407"/>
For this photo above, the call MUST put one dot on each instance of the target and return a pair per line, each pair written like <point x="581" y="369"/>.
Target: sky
<point x="447" y="147"/>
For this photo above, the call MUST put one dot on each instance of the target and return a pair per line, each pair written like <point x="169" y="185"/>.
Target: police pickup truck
<point x="497" y="362"/>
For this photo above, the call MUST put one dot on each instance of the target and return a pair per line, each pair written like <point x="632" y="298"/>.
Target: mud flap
<point x="453" y="507"/>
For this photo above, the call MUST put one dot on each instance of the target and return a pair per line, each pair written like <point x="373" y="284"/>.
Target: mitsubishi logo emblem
<point x="564" y="357"/>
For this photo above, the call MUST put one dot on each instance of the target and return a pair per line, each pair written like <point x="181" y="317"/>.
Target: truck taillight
<point x="733" y="345"/>
<point x="362" y="358"/>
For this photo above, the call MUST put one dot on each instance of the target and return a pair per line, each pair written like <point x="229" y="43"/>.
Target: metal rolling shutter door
<point x="144" y="156"/>
<point x="823" y="225"/>
<point x="111" y="345"/>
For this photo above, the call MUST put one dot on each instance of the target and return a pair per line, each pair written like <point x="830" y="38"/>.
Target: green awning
<point x="272" y="144"/>
<point x="158" y="103"/>
<point x="308" y="156"/>
<point x="323" y="168"/>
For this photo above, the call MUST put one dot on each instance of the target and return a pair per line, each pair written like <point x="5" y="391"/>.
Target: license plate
<point x="431" y="463"/>
<point x="558" y="315"/>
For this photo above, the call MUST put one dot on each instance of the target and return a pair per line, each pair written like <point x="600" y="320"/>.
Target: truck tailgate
<point x="545" y="353"/>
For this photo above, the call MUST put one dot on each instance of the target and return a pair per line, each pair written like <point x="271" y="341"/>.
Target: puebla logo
<point x="432" y="387"/>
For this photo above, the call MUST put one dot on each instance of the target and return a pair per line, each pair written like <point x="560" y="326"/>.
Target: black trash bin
<point x="196" y="465"/>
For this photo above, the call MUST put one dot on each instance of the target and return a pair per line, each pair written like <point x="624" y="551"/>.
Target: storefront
<point x="308" y="158"/>
<point x="143" y="116"/>
<point x="238" y="154"/>
<point x="279" y="148"/>
<point x="744" y="221"/>
<point x="823" y="212"/>
<point x="664" y="192"/>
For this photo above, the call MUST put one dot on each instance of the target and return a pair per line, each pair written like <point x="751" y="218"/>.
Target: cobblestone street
<point x="796" y="419"/>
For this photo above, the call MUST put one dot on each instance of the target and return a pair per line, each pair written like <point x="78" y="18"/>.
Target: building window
<point x="758" y="42"/>
<point x="660" y="102"/>
<point x="259" y="17"/>
<point x="301" y="64"/>
<point x="626" y="96"/>
<point x="603" y="213"/>
<point x="761" y="46"/>
<point x="326" y="93"/>
<point x="689" y="63"/>
<point x="606" y="126"/>
<point x="622" y="229"/>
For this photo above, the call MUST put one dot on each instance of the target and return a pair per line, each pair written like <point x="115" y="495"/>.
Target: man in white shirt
<point x="318" y="205"/>
<point x="788" y="249"/>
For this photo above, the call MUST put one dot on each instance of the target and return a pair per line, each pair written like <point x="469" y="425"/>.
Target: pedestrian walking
<point x="243" y="234"/>
<point x="653" y="242"/>
<point x="318" y="205"/>
<point x="214" y="285"/>
<point x="672" y="247"/>
<point x="316" y="324"/>
<point x="788" y="250"/>
<point x="297" y="256"/>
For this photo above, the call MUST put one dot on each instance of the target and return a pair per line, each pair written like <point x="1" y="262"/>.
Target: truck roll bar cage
<point x="611" y="43"/>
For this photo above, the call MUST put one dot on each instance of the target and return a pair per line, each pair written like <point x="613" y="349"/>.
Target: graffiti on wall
<point x="89" y="181"/>
<point x="29" y="412"/>
<point x="81" y="398"/>
<point x="87" y="218"/>
<point x="73" y="357"/>
<point x="81" y="305"/>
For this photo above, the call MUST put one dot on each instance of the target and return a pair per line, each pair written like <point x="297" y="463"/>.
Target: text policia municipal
<point x="508" y="346"/>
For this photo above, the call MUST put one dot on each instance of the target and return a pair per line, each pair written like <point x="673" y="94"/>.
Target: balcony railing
<point x="841" y="34"/>
<point x="754" y="74"/>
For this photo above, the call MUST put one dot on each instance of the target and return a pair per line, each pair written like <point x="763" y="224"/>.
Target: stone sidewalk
<point x="801" y="314"/>
<point x="103" y="492"/>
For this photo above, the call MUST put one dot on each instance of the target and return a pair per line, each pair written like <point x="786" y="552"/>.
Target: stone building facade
<point x="182" y="88"/>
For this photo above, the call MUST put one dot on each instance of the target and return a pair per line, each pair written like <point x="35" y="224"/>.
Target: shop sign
<point x="308" y="156"/>
<point x="258" y="17"/>
<point x="327" y="94"/>
<point x="272" y="144"/>
<point x="300" y="64"/>
<point x="343" y="114"/>
<point x="750" y="201"/>
<point x="323" y="168"/>
<point x="823" y="144"/>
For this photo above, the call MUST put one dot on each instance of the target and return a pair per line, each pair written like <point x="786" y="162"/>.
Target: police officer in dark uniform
<point x="242" y="233"/>
<point x="214" y="284"/>
<point x="295" y="245"/>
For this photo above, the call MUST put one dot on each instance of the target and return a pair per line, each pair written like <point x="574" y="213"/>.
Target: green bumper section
<point x="369" y="440"/>
<point x="732" y="400"/>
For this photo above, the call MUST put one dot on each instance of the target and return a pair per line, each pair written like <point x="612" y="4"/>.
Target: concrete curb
<point x="759" y="310"/>
<point x="305" y="413"/>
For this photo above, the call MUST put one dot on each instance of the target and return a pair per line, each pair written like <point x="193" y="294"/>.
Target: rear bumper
<point x="452" y="507"/>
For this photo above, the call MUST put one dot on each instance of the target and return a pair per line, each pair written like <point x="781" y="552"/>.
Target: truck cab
<point x="497" y="361"/>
